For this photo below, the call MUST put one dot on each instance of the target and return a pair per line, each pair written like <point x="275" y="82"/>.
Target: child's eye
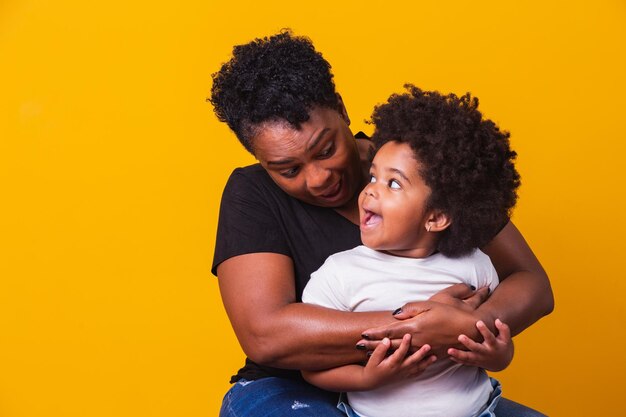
<point x="394" y="185"/>
<point x="372" y="179"/>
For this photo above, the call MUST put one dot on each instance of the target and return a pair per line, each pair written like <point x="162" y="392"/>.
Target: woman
<point x="280" y="219"/>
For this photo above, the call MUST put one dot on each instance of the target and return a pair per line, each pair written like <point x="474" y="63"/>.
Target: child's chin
<point x="371" y="245"/>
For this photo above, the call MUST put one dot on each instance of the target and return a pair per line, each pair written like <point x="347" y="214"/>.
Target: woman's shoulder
<point x="251" y="172"/>
<point x="366" y="149"/>
<point x="248" y="181"/>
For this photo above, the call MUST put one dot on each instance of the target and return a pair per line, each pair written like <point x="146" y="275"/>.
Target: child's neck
<point x="417" y="253"/>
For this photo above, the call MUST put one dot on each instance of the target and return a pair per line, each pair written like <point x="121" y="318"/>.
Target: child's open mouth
<point x="370" y="219"/>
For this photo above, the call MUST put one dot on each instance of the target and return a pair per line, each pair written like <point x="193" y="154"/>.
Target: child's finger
<point x="488" y="336"/>
<point x="419" y="355"/>
<point x="504" y="333"/>
<point x="379" y="354"/>
<point x="470" y="344"/>
<point x="400" y="353"/>
<point x="462" y="357"/>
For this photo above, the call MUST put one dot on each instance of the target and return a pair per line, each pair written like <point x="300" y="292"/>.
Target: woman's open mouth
<point x="333" y="193"/>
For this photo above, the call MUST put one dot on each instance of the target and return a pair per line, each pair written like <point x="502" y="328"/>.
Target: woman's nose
<point x="317" y="177"/>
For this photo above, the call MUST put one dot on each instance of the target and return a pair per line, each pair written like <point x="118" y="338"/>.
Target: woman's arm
<point x="273" y="329"/>
<point x="524" y="294"/>
<point x="523" y="297"/>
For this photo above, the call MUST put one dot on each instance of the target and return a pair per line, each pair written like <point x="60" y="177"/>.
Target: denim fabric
<point x="345" y="407"/>
<point x="278" y="397"/>
<point x="508" y="408"/>
<point x="494" y="399"/>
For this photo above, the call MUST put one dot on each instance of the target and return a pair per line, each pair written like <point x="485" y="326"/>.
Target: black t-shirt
<point x="257" y="216"/>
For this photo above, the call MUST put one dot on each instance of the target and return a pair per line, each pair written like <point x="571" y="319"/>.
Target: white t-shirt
<point x="362" y="279"/>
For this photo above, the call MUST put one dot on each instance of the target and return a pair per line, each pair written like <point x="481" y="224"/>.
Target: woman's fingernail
<point x="397" y="311"/>
<point x="365" y="336"/>
<point x="360" y="346"/>
<point x="473" y="288"/>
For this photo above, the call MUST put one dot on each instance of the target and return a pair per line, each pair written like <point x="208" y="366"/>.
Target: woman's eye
<point x="372" y="179"/>
<point x="394" y="185"/>
<point x="327" y="151"/>
<point x="290" y="173"/>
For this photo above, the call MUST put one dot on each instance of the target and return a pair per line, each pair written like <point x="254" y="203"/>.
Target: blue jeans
<point x="279" y="397"/>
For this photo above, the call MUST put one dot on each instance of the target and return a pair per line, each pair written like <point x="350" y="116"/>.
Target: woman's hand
<point x="493" y="354"/>
<point x="382" y="368"/>
<point x="437" y="322"/>
<point x="459" y="295"/>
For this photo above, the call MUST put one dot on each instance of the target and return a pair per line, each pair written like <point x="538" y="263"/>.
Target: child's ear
<point x="438" y="221"/>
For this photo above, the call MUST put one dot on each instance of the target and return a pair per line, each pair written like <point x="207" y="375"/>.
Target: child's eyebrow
<point x="400" y="173"/>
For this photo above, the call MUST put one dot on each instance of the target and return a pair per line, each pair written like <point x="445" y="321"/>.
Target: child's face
<point x="392" y="205"/>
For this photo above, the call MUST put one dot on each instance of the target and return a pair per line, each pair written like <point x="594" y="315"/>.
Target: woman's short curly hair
<point x="465" y="160"/>
<point x="276" y="78"/>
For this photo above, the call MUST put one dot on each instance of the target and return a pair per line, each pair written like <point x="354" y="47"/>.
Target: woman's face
<point x="317" y="164"/>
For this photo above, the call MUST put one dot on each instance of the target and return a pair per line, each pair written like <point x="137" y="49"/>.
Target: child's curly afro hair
<point x="465" y="160"/>
<point x="276" y="78"/>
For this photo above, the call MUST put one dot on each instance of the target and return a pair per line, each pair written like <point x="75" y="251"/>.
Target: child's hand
<point x="493" y="354"/>
<point x="382" y="369"/>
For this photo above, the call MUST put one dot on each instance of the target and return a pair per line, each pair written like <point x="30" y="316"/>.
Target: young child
<point x="442" y="184"/>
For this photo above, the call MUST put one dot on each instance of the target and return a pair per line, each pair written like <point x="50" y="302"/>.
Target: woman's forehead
<point x="275" y="134"/>
<point x="280" y="134"/>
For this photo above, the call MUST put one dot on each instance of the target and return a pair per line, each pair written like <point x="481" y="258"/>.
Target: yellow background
<point x="112" y="164"/>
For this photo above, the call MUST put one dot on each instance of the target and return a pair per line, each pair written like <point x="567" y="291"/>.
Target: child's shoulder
<point x="476" y="260"/>
<point x="477" y="256"/>
<point x="477" y="268"/>
<point x="353" y="255"/>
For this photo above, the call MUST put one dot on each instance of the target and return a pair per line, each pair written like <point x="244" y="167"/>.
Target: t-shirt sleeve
<point x="486" y="272"/>
<point x="247" y="221"/>
<point x="326" y="289"/>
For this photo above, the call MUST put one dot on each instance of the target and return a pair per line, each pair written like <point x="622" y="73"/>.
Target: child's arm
<point x="493" y="354"/>
<point x="380" y="369"/>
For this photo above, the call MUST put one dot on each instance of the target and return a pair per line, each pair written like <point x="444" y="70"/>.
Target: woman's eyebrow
<point x="316" y="139"/>
<point x="281" y="161"/>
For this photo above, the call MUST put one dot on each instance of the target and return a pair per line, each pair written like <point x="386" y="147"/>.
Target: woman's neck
<point x="351" y="209"/>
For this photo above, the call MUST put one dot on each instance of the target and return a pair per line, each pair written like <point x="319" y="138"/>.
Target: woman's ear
<point x="342" y="110"/>
<point x="437" y="221"/>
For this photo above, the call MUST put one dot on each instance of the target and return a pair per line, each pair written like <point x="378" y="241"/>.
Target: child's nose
<point x="370" y="190"/>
